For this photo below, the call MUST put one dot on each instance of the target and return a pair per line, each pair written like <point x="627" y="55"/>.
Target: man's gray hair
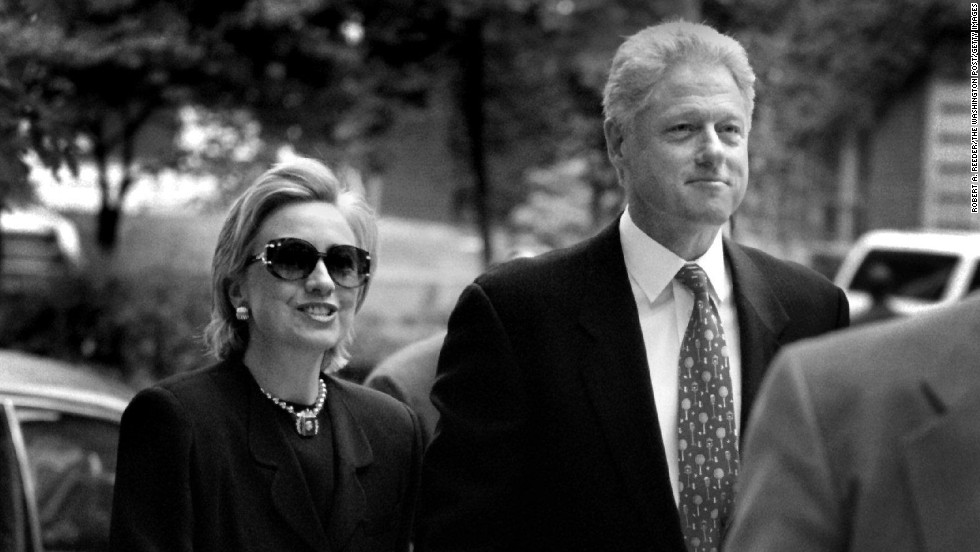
<point x="641" y="61"/>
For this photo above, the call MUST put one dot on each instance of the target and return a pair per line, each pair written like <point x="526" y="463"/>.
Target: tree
<point x="113" y="74"/>
<point x="529" y="77"/>
<point x="827" y="69"/>
<point x="13" y="146"/>
<point x="99" y="73"/>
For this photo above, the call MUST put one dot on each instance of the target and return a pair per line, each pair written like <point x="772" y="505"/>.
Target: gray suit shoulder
<point x="410" y="363"/>
<point x="900" y="350"/>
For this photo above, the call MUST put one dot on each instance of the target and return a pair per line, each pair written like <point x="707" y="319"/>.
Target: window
<point x="975" y="282"/>
<point x="914" y="275"/>
<point x="73" y="462"/>
<point x="13" y="516"/>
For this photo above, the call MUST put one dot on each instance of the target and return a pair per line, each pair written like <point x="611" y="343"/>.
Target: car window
<point x="13" y="524"/>
<point x="914" y="275"/>
<point x="73" y="462"/>
<point x="975" y="282"/>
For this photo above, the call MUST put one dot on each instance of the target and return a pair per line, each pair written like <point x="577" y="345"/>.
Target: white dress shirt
<point x="665" y="306"/>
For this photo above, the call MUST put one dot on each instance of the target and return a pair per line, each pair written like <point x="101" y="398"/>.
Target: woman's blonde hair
<point x="298" y="180"/>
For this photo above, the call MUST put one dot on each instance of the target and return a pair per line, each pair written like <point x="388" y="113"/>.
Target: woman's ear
<point x="236" y="293"/>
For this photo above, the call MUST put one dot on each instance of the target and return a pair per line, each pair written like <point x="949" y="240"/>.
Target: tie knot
<point x="694" y="277"/>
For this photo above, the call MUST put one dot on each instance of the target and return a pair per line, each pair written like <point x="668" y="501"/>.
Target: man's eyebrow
<point x="721" y="113"/>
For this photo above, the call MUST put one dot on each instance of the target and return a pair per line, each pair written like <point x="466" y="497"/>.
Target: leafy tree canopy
<point x="829" y="63"/>
<point x="105" y="78"/>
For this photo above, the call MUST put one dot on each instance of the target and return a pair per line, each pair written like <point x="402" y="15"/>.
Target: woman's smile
<point x="321" y="312"/>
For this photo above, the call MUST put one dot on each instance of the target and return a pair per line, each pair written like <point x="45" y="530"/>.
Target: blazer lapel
<point x="761" y="320"/>
<point x="353" y="453"/>
<point x="615" y="371"/>
<point x="941" y="454"/>
<point x="290" y="496"/>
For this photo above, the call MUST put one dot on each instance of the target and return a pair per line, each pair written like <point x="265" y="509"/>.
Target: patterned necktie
<point x="707" y="435"/>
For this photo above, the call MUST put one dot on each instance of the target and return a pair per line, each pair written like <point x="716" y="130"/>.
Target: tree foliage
<point x="108" y="76"/>
<point x="827" y="64"/>
<point x="13" y="146"/>
<point x="107" y="80"/>
<point x="828" y="69"/>
<point x="544" y="65"/>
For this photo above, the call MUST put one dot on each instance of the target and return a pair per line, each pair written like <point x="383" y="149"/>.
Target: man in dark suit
<point x="868" y="440"/>
<point x="567" y="382"/>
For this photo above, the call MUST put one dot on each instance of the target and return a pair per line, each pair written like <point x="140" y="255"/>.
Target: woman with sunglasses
<point x="267" y="450"/>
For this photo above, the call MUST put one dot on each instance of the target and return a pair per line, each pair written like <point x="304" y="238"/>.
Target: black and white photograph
<point x="489" y="275"/>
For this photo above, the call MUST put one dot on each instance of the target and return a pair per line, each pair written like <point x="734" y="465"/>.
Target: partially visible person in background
<point x="868" y="441"/>
<point x="408" y="374"/>
<point x="267" y="450"/>
<point x="879" y="286"/>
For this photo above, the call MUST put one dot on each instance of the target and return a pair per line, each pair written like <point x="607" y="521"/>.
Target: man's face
<point x="685" y="160"/>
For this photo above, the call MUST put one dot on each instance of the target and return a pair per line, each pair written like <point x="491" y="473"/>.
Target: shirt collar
<point x="652" y="266"/>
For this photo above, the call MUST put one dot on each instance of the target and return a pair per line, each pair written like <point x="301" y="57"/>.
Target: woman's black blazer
<point x="204" y="465"/>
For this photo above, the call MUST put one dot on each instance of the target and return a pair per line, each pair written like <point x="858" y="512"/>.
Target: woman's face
<point x="311" y="313"/>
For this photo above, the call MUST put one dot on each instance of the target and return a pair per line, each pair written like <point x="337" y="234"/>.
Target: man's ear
<point x="614" y="142"/>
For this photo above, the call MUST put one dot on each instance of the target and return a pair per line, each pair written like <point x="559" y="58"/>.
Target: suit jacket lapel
<point x="616" y="374"/>
<point x="353" y="452"/>
<point x="941" y="454"/>
<point x="761" y="319"/>
<point x="290" y="496"/>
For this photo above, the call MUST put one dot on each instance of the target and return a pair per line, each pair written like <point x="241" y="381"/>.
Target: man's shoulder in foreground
<point x="862" y="440"/>
<point x="876" y="372"/>
<point x="911" y="346"/>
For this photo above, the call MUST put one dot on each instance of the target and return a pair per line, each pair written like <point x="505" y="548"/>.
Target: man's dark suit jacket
<point x="205" y="465"/>
<point x="548" y="437"/>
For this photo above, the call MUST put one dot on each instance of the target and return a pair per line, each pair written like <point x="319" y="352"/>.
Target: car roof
<point x="36" y="219"/>
<point x="29" y="375"/>
<point x="964" y="243"/>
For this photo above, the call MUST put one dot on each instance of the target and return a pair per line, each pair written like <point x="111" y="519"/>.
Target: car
<point x="928" y="269"/>
<point x="59" y="430"/>
<point x="38" y="249"/>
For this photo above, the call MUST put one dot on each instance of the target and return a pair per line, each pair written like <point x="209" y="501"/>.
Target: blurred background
<point x="473" y="126"/>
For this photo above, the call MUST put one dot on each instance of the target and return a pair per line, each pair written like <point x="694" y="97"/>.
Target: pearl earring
<point x="242" y="313"/>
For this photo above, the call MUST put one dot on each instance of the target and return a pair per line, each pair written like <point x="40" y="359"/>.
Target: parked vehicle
<point x="38" y="249"/>
<point x="927" y="269"/>
<point x="59" y="429"/>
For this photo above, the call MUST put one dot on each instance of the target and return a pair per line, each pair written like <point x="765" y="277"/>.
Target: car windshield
<point x="913" y="274"/>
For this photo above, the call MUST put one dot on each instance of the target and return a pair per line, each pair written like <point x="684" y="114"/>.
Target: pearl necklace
<point x="307" y="424"/>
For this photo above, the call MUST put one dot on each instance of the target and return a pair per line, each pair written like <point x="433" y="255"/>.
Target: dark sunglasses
<point x="295" y="259"/>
